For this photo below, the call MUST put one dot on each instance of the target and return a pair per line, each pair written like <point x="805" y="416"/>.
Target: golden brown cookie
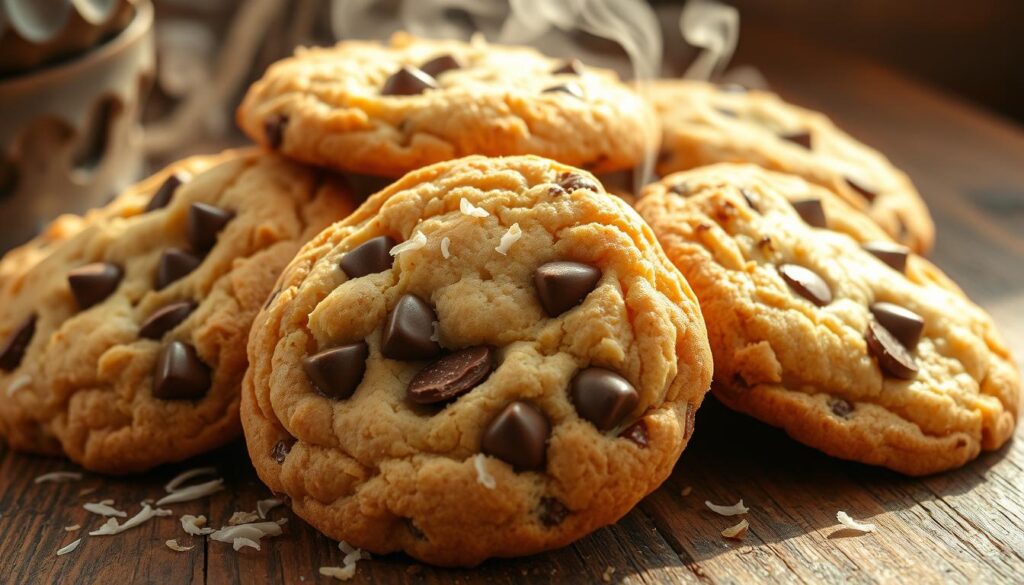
<point x="704" y="124"/>
<point x="392" y="108"/>
<point x="491" y="357"/>
<point x="853" y="345"/>
<point x="122" y="334"/>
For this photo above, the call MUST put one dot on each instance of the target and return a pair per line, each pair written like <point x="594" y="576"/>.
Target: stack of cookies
<point x="492" y="356"/>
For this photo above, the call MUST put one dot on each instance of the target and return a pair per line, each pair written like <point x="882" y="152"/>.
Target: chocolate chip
<point x="893" y="358"/>
<point x="570" y="182"/>
<point x="452" y="376"/>
<point x="204" y="222"/>
<point x="551" y="512"/>
<point x="281" y="449"/>
<point x="749" y="198"/>
<point x="572" y="89"/>
<point x="518" y="435"/>
<point x="14" y="350"/>
<point x="166" y="191"/>
<point x="408" y="331"/>
<point x="801" y="138"/>
<point x="180" y="374"/>
<point x="602" y="397"/>
<point x="637" y="432"/>
<point x="860" y="188"/>
<point x="273" y="129"/>
<point x="165" y="319"/>
<point x="892" y="254"/>
<point x="905" y="325"/>
<point x="174" y="264"/>
<point x="439" y="65"/>
<point x="370" y="257"/>
<point x="414" y="530"/>
<point x="727" y="112"/>
<point x="92" y="283"/>
<point x="570" y="67"/>
<point x="806" y="283"/>
<point x="337" y="372"/>
<point x="408" y="81"/>
<point x="812" y="212"/>
<point x="682" y="189"/>
<point x="840" y="407"/>
<point x="563" y="285"/>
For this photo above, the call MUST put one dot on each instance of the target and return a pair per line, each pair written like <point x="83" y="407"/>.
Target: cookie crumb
<point x="88" y="490"/>
<point x="607" y="575"/>
<point x="173" y="545"/>
<point x="687" y="490"/>
<point x="852" y="524"/>
<point x="417" y="241"/>
<point x="736" y="532"/>
<point x="511" y="236"/>
<point x="69" y="548"/>
<point x="414" y="569"/>
<point x="445" y="242"/>
<point x="483" y="477"/>
<point x="737" y="509"/>
<point x="471" y="210"/>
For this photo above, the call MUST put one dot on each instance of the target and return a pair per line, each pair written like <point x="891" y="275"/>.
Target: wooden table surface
<point x="962" y="526"/>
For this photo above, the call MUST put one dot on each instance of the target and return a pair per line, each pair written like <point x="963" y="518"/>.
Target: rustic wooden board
<point x="957" y="527"/>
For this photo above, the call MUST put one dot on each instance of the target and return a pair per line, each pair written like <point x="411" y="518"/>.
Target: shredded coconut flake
<point x="144" y="515"/>
<point x="469" y="209"/>
<point x="243" y="518"/>
<point x="244" y="534"/>
<point x="852" y="524"/>
<point x="511" y="236"/>
<point x="173" y="545"/>
<point x="736" y="532"/>
<point x="737" y="509"/>
<point x="417" y="241"/>
<point x="195" y="525"/>
<point x="88" y="490"/>
<point x="19" y="383"/>
<point x="445" y="242"/>
<point x="607" y="575"/>
<point x="483" y="477"/>
<point x="173" y="485"/>
<point x="69" y="548"/>
<point x="192" y="492"/>
<point x="72" y="528"/>
<point x="348" y="570"/>
<point x="104" y="508"/>
<point x="263" y="507"/>
<point x="242" y="542"/>
<point x="59" y="477"/>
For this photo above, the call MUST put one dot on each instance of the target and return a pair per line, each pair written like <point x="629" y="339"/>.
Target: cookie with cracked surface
<point x="704" y="124"/>
<point x="391" y="108"/>
<point x="858" y="348"/>
<point x="491" y="357"/>
<point x="122" y="333"/>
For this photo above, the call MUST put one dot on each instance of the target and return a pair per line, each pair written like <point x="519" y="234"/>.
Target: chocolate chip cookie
<point x="704" y="124"/>
<point x="491" y="357"/>
<point x="391" y="108"/>
<point x="122" y="333"/>
<point x="855" y="346"/>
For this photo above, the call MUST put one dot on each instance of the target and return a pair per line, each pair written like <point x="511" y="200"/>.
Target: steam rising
<point x="713" y="27"/>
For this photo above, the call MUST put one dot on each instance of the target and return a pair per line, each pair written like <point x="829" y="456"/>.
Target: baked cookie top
<point x="391" y="108"/>
<point x="122" y="334"/>
<point x="858" y="348"/>
<point x="703" y="123"/>
<point x="491" y="357"/>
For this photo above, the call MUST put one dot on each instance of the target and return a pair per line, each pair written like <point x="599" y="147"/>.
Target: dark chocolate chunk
<point x="905" y="325"/>
<point x="563" y="285"/>
<point x="892" y="254"/>
<point x="204" y="222"/>
<point x="17" y="343"/>
<point x="92" y="283"/>
<point x="166" y="191"/>
<point x="281" y="449"/>
<point x="408" y="331"/>
<point x="840" y="407"/>
<point x="438" y="65"/>
<point x="180" y="374"/>
<point x="414" y="530"/>
<point x="806" y="283"/>
<point x="408" y="81"/>
<point x="682" y="189"/>
<point x="570" y="67"/>
<point x="452" y="376"/>
<point x="602" y="397"/>
<point x="860" y="188"/>
<point x="749" y="198"/>
<point x="551" y="512"/>
<point x="165" y="319"/>
<point x="801" y="138"/>
<point x="370" y="257"/>
<point x="636" y="432"/>
<point x="518" y="435"/>
<point x="570" y="182"/>
<point x="174" y="264"/>
<point x="812" y="212"/>
<point x="273" y="129"/>
<point x="894" y="359"/>
<point x="337" y="372"/>
<point x="572" y="89"/>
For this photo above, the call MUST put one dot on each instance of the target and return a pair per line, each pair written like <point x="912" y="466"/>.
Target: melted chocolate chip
<point x="682" y="189"/>
<point x="281" y="449"/>
<point x="518" y="435"/>
<point x="166" y="191"/>
<point x="840" y="407"/>
<point x="174" y="264"/>
<point x="637" y="432"/>
<point x="563" y="285"/>
<point x="438" y="65"/>
<point x="570" y="67"/>
<point x="204" y="222"/>
<point x="408" y="81"/>
<point x="370" y="257"/>
<point x="452" y="376"/>
<point x="92" y="283"/>
<point x="806" y="283"/>
<point x="893" y="358"/>
<point x="180" y="374"/>
<point x="273" y="129"/>
<point x="572" y="89"/>
<point x="414" y="530"/>
<point x="16" y="345"/>
<point x="337" y="372"/>
<point x="905" y="325"/>
<point x="165" y="319"/>
<point x="570" y="182"/>
<point x="551" y="512"/>
<point x="408" y="331"/>
<point x="860" y="188"/>
<point x="800" y="138"/>
<point x="602" y="397"/>
<point x="812" y="212"/>
<point x="894" y="255"/>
